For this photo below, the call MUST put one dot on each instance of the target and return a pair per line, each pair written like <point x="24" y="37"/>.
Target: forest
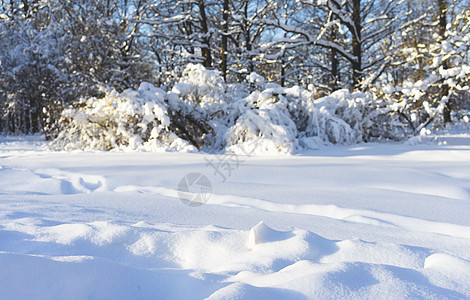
<point x="214" y="74"/>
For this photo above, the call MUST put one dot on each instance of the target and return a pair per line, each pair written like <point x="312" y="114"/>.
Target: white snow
<point x="365" y="221"/>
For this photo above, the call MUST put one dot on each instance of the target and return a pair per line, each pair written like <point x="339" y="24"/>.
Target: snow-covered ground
<point x="367" y="221"/>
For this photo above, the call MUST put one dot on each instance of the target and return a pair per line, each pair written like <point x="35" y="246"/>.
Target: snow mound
<point x="134" y="261"/>
<point x="261" y="233"/>
<point x="247" y="291"/>
<point x="448" y="270"/>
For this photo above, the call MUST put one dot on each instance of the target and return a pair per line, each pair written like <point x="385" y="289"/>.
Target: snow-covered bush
<point x="201" y="111"/>
<point x="282" y="120"/>
<point x="265" y="126"/>
<point x="198" y="98"/>
<point x="201" y="87"/>
<point x="337" y="119"/>
<point x="133" y="119"/>
<point x="348" y="118"/>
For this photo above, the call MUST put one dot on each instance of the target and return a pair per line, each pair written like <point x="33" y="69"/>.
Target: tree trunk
<point x="357" y="44"/>
<point x="224" y="48"/>
<point x="283" y="72"/>
<point x="334" y="62"/>
<point x="206" y="50"/>
<point x="26" y="8"/>
<point x="248" y="45"/>
<point x="442" y="32"/>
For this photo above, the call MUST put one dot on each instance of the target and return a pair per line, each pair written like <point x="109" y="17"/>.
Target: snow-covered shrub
<point x="133" y="119"/>
<point x="348" y="118"/>
<point x="201" y="89"/>
<point x="256" y="81"/>
<point x="265" y="126"/>
<point x="275" y="119"/>
<point x="330" y="125"/>
<point x="196" y="100"/>
<point x="201" y="111"/>
<point x="281" y="120"/>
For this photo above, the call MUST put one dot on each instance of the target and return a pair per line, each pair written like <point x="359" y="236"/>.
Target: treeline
<point x="412" y="53"/>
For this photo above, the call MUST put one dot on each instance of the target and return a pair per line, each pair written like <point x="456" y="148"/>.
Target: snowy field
<point x="367" y="221"/>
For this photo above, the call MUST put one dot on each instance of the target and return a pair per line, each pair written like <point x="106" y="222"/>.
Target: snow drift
<point x="351" y="222"/>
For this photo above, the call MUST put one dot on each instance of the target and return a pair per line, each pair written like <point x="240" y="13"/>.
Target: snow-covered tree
<point x="31" y="75"/>
<point x="354" y="29"/>
<point x="54" y="52"/>
<point x="437" y="70"/>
